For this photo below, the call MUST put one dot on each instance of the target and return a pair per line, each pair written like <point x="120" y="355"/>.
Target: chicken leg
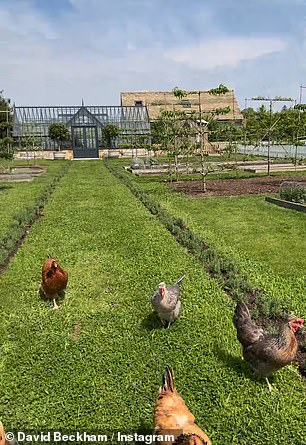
<point x="269" y="385"/>
<point x="55" y="306"/>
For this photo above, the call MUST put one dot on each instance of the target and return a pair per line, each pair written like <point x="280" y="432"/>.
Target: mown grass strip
<point x="219" y="267"/>
<point x="30" y="207"/>
<point x="267" y="310"/>
<point x="264" y="241"/>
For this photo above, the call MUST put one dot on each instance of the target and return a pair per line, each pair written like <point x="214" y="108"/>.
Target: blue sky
<point x="56" y="52"/>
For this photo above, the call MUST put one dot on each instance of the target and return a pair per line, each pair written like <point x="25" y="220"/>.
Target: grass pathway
<point x="17" y="196"/>
<point x="96" y="364"/>
<point x="21" y="203"/>
<point x="264" y="240"/>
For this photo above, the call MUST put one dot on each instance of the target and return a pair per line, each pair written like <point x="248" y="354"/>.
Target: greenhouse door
<point x="85" y="141"/>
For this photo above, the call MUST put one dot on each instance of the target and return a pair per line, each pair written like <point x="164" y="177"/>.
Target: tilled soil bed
<point x="235" y="187"/>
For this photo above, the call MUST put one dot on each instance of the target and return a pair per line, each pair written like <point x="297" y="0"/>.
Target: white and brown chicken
<point x="166" y="301"/>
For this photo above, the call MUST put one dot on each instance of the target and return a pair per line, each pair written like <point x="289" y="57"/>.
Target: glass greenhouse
<point x="85" y="124"/>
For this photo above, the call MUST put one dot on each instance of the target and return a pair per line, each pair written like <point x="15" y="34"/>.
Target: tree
<point x="224" y="131"/>
<point x="110" y="132"/>
<point x="6" y="149"/>
<point x="221" y="89"/>
<point x="30" y="140"/>
<point x="284" y="127"/>
<point x="59" y="133"/>
<point x="179" y="93"/>
<point x="182" y="134"/>
<point x="175" y="133"/>
<point x="209" y="118"/>
<point x="6" y="127"/>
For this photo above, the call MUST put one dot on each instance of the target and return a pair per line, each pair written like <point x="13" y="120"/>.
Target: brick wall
<point x="156" y="101"/>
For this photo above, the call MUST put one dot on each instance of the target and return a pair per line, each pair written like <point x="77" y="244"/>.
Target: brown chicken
<point x="266" y="353"/>
<point x="173" y="418"/>
<point x="3" y="440"/>
<point x="54" y="280"/>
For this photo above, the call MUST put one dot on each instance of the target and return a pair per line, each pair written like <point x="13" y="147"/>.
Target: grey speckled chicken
<point x="167" y="301"/>
<point x="266" y="353"/>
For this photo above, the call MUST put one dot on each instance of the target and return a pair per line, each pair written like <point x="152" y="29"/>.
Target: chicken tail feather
<point x="167" y="380"/>
<point x="180" y="279"/>
<point x="247" y="331"/>
<point x="242" y="313"/>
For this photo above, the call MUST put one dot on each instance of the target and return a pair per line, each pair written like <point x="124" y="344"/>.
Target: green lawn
<point x="96" y="364"/>
<point x="21" y="203"/>
<point x="266" y="232"/>
<point x="271" y="234"/>
<point x="17" y="196"/>
<point x="264" y="240"/>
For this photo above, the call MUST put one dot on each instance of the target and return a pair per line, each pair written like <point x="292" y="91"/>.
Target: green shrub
<point x="293" y="191"/>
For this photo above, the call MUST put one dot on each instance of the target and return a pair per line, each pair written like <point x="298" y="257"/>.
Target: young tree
<point x="31" y="141"/>
<point x="208" y="119"/>
<point x="6" y="124"/>
<point x="202" y="149"/>
<point x="59" y="133"/>
<point x="110" y="132"/>
<point x="175" y="134"/>
<point x="221" y="89"/>
<point x="181" y="133"/>
<point x="179" y="93"/>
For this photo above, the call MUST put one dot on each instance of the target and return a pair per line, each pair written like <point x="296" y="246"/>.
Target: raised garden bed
<point x="287" y="204"/>
<point x="248" y="166"/>
<point x="21" y="173"/>
<point x="276" y="168"/>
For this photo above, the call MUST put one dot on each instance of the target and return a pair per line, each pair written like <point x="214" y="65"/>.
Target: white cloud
<point x="23" y="20"/>
<point x="225" y="52"/>
<point x="45" y="62"/>
<point x="92" y="51"/>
